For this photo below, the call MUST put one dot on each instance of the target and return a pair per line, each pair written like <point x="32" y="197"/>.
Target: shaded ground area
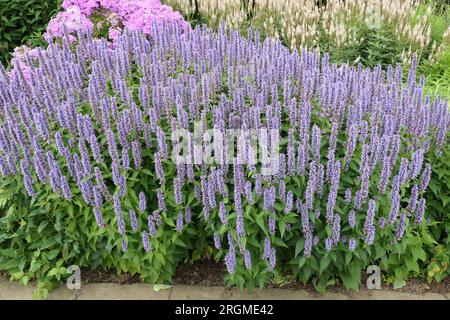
<point x="107" y="276"/>
<point x="210" y="273"/>
<point x="202" y="272"/>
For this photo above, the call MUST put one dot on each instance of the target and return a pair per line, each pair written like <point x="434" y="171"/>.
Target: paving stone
<point x="113" y="291"/>
<point x="433" y="296"/>
<point x="197" y="292"/>
<point x="62" y="293"/>
<point x="16" y="290"/>
<point x="331" y="296"/>
<point x="394" y="295"/>
<point x="268" y="294"/>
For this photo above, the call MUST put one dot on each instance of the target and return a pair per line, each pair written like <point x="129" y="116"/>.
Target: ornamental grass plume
<point x="305" y="23"/>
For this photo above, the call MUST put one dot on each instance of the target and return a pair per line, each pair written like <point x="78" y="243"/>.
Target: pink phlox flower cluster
<point x="87" y="7"/>
<point x="71" y="20"/>
<point x="144" y="18"/>
<point x="133" y="14"/>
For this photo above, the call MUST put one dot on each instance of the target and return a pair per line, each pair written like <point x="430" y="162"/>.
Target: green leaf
<point x="399" y="283"/>
<point x="301" y="261"/>
<point x="158" y="287"/>
<point x="299" y="246"/>
<point x="42" y="225"/>
<point x="324" y="262"/>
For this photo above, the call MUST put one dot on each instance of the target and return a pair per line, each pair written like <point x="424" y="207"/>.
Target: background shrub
<point x="23" y="22"/>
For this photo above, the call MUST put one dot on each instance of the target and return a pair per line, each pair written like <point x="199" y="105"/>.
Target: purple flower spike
<point x="217" y="242"/>
<point x="142" y="202"/>
<point x="187" y="214"/>
<point x="400" y="232"/>
<point x="151" y="226"/>
<point x="352" y="244"/>
<point x="425" y="178"/>
<point x="420" y="211"/>
<point x="247" y="260"/>
<point x="98" y="217"/>
<point x="134" y="221"/>
<point x="179" y="225"/>
<point x="146" y="242"/>
<point x="352" y="219"/>
<point x="124" y="245"/>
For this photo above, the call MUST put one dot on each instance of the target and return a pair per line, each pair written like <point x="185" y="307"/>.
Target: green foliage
<point x="41" y="237"/>
<point x="23" y="22"/>
<point x="437" y="75"/>
<point x="438" y="198"/>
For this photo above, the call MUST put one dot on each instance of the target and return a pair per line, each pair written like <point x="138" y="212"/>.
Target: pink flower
<point x="142" y="14"/>
<point x="21" y="53"/>
<point x="114" y="35"/>
<point x="72" y="19"/>
<point x="133" y="14"/>
<point x="86" y="6"/>
<point x="26" y="71"/>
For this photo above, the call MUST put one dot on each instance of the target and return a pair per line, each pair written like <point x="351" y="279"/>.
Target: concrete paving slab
<point x="110" y="291"/>
<point x="331" y="296"/>
<point x="394" y="295"/>
<point x="197" y="292"/>
<point x="268" y="294"/>
<point x="62" y="293"/>
<point x="113" y="291"/>
<point x="16" y="291"/>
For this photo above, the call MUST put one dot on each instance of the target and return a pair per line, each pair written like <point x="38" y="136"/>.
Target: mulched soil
<point x="201" y="273"/>
<point x="209" y="273"/>
<point x="108" y="276"/>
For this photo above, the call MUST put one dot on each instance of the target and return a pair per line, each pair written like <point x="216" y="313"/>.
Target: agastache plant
<point x="352" y="138"/>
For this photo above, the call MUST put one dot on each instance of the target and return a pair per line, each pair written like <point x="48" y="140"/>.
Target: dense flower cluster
<point x="71" y="21"/>
<point x="112" y="15"/>
<point x="90" y="116"/>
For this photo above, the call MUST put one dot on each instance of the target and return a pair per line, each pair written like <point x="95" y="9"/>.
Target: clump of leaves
<point x="23" y="22"/>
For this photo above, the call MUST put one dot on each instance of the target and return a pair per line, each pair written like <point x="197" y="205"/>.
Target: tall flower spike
<point x="137" y="154"/>
<point x="179" y="225"/>
<point x="151" y="226"/>
<point x="146" y="242"/>
<point x="118" y="211"/>
<point x="420" y="211"/>
<point x="142" y="202"/>
<point x="425" y="178"/>
<point x="161" y="200"/>
<point x="134" y="221"/>
<point x="187" y="214"/>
